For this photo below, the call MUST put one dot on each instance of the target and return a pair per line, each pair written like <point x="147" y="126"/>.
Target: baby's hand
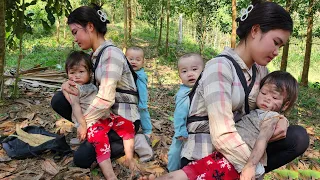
<point x="248" y="172"/>
<point x="181" y="138"/>
<point x="82" y="133"/>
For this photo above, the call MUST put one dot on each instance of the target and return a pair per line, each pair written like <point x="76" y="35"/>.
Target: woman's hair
<point x="267" y="15"/>
<point x="75" y="58"/>
<point x="85" y="14"/>
<point x="286" y="84"/>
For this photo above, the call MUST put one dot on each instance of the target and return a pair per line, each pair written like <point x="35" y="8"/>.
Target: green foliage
<point x="285" y="173"/>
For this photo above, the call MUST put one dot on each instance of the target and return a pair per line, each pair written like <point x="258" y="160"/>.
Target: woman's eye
<point x="275" y="42"/>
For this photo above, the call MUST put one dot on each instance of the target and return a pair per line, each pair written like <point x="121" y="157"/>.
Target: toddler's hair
<point x="135" y="48"/>
<point x="196" y="55"/>
<point x="75" y="57"/>
<point x="285" y="83"/>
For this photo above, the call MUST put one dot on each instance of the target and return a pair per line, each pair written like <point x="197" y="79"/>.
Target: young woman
<point x="88" y="26"/>
<point x="264" y="27"/>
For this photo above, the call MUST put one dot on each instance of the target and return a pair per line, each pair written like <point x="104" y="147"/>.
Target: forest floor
<point x="33" y="108"/>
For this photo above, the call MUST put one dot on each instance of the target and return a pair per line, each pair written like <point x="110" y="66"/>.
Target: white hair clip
<point x="103" y="15"/>
<point x="245" y="12"/>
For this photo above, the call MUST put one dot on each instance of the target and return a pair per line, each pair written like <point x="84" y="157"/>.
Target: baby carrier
<point x="247" y="89"/>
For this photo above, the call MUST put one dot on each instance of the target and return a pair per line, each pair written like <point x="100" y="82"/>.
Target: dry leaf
<point x="3" y="156"/>
<point x="4" y="117"/>
<point x="50" y="167"/>
<point x="9" y="167"/>
<point x="24" y="102"/>
<point x="64" y="126"/>
<point x="66" y="161"/>
<point x="4" y="174"/>
<point x="310" y="130"/>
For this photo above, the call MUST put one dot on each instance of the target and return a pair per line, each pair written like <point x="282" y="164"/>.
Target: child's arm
<point x="77" y="112"/>
<point x="180" y="115"/>
<point x="267" y="128"/>
<point x="145" y="119"/>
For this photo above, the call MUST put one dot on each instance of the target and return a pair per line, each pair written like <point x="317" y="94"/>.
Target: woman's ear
<point x="255" y="30"/>
<point x="90" y="27"/>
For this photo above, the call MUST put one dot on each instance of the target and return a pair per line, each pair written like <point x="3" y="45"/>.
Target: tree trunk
<point x="58" y="30"/>
<point x="306" y="64"/>
<point x="161" y="23"/>
<point x="125" y="19"/>
<point x="284" y="58"/>
<point x="234" y="24"/>
<point x="64" y="28"/>
<point x="129" y="20"/>
<point x="15" y="88"/>
<point x="2" y="45"/>
<point x="113" y="16"/>
<point x="180" y="29"/>
<point x="168" y="26"/>
<point x="285" y="53"/>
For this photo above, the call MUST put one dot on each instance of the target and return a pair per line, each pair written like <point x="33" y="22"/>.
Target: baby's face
<point x="79" y="73"/>
<point x="189" y="70"/>
<point x="270" y="99"/>
<point x="135" y="58"/>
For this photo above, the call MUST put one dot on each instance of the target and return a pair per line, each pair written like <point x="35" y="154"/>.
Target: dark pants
<point x="283" y="151"/>
<point x="85" y="155"/>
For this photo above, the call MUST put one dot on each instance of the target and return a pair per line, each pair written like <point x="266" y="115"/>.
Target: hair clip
<point x="245" y="12"/>
<point x="103" y="15"/>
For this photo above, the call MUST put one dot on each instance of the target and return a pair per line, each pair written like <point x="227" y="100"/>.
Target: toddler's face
<point x="189" y="70"/>
<point x="135" y="58"/>
<point x="79" y="73"/>
<point x="270" y="99"/>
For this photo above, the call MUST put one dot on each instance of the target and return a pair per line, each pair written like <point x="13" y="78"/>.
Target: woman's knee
<point x="299" y="138"/>
<point x="85" y="155"/>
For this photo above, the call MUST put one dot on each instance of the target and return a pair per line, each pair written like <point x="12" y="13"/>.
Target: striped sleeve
<point x="217" y="91"/>
<point x="111" y="68"/>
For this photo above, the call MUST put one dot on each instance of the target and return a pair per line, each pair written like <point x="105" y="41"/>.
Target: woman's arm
<point x="218" y="85"/>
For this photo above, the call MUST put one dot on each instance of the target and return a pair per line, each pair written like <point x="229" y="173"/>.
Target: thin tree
<point x="161" y="23"/>
<point x="168" y="26"/>
<point x="285" y="53"/>
<point x="20" y="36"/>
<point x="125" y="19"/>
<point x="234" y="24"/>
<point x="306" y="64"/>
<point x="129" y="20"/>
<point x="2" y="45"/>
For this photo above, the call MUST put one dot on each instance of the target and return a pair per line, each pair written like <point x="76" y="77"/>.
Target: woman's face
<point x="81" y="36"/>
<point x="265" y="46"/>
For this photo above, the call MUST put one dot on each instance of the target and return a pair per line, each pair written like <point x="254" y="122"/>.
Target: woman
<point x="88" y="26"/>
<point x="264" y="28"/>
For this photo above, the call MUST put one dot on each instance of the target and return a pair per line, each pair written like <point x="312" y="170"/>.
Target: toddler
<point x="79" y="69"/>
<point x="190" y="67"/>
<point x="278" y="93"/>
<point x="142" y="145"/>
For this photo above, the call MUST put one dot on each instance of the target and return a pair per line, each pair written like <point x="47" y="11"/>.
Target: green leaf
<point x="285" y="173"/>
<point x="171" y="118"/>
<point x="310" y="173"/>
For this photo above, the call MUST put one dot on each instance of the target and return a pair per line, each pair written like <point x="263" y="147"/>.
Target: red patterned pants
<point x="212" y="167"/>
<point x="98" y="134"/>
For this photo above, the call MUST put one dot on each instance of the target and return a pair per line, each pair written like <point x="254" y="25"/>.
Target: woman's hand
<point x="248" y="172"/>
<point x="69" y="87"/>
<point x="281" y="129"/>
